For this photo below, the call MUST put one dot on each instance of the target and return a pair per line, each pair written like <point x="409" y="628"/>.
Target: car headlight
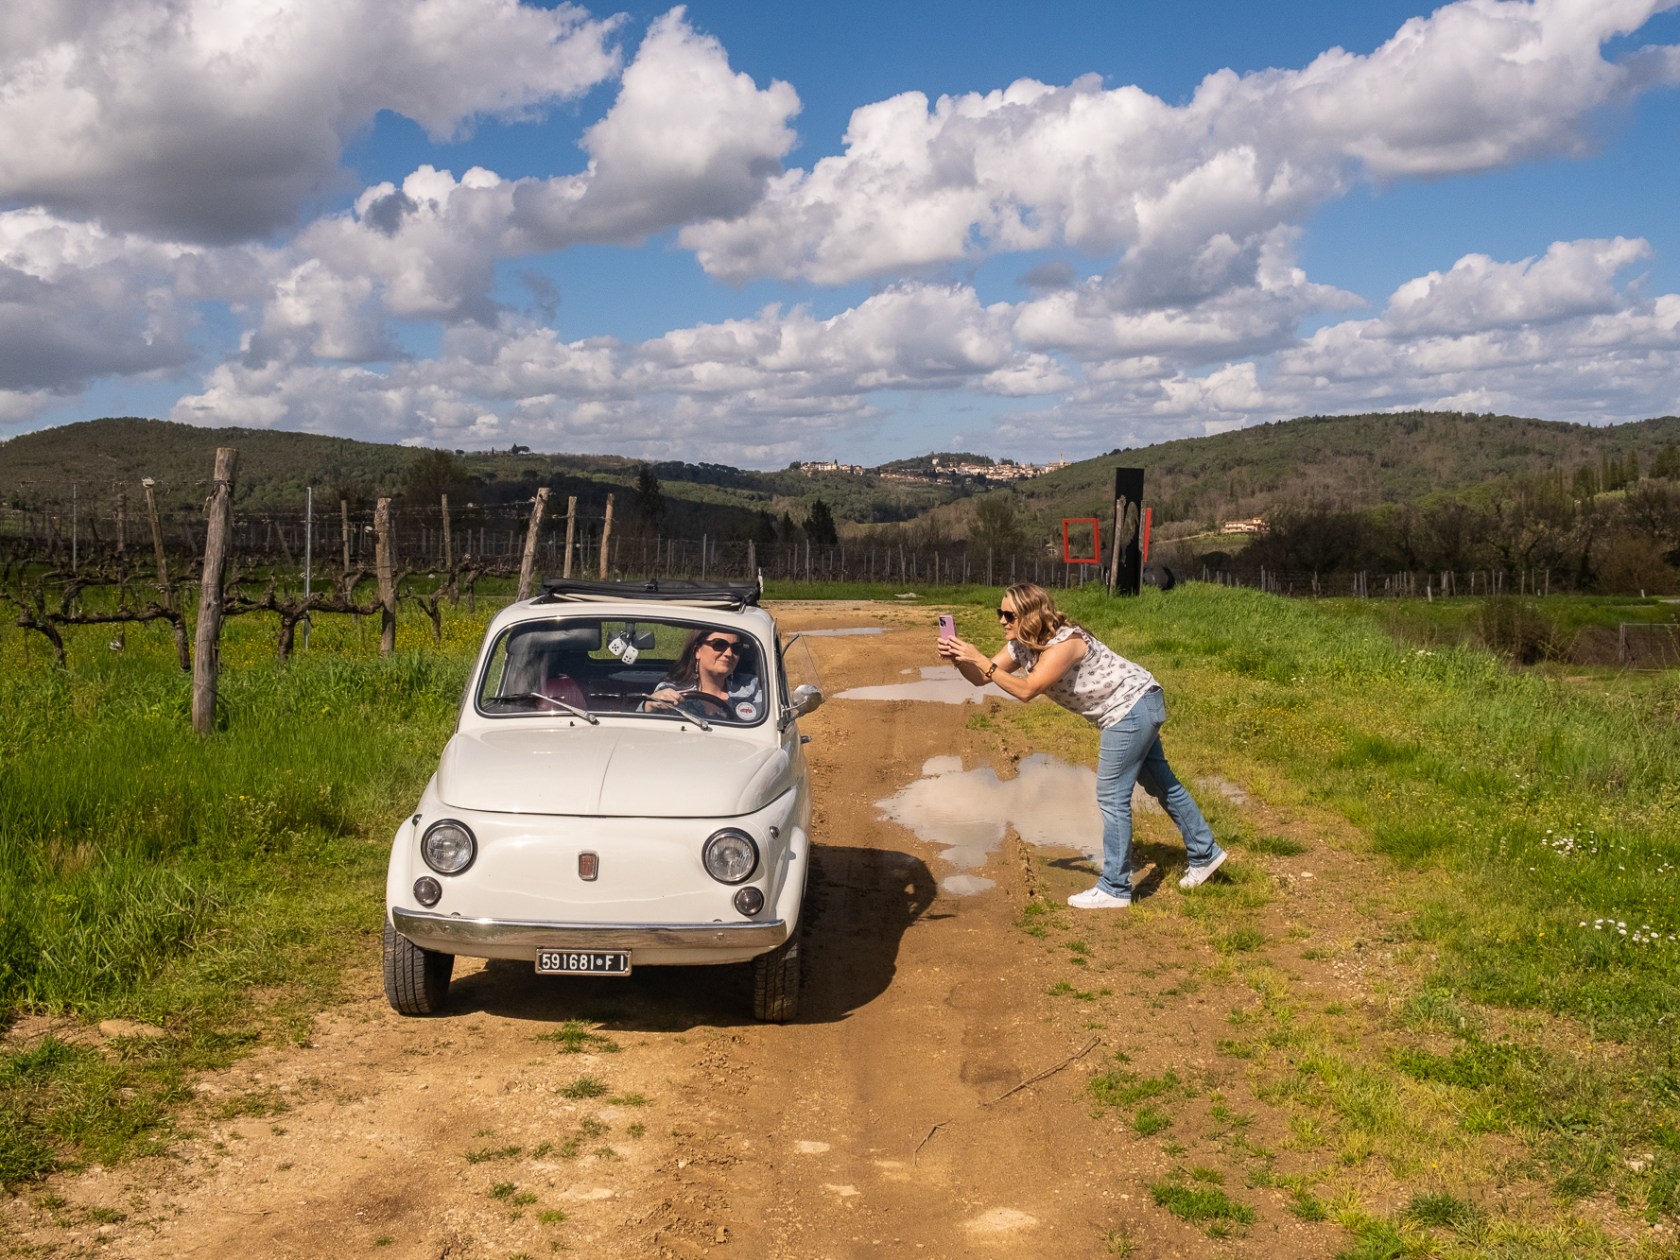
<point x="730" y="856"/>
<point x="448" y="847"/>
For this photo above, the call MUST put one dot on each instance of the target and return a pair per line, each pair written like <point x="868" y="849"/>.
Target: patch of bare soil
<point x="933" y="1098"/>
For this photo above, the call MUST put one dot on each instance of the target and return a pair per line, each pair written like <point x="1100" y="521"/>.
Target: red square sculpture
<point x="1096" y="540"/>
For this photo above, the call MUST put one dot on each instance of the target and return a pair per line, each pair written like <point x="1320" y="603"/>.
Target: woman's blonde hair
<point x="1036" y="616"/>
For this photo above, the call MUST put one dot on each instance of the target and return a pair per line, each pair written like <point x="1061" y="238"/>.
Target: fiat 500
<point x="626" y="787"/>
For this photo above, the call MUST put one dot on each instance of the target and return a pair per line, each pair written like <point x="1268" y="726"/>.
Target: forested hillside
<point x="1413" y="491"/>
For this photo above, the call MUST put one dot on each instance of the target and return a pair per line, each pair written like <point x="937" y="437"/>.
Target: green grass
<point x="576" y="1036"/>
<point x="1205" y="1205"/>
<point x="486" y="1154"/>
<point x="1149" y="1121"/>
<point x="1529" y="817"/>
<point x="584" y="1087"/>
<point x="152" y="875"/>
<point x="1544" y="805"/>
<point x="1122" y="1087"/>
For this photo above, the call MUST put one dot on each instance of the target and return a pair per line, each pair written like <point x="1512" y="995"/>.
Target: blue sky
<point x="754" y="232"/>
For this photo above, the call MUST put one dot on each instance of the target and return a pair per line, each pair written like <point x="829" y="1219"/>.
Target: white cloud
<point x="77" y="303"/>
<point x="1480" y="84"/>
<point x="196" y="119"/>
<point x="1553" y="336"/>
<point x="190" y="120"/>
<point x="1227" y="301"/>
<point x="686" y="138"/>
<point x="1574" y="278"/>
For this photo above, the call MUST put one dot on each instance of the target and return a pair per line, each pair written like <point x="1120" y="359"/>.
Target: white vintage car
<point x="618" y="793"/>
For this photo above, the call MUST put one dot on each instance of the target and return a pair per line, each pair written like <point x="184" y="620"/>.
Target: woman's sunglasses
<point x="720" y="646"/>
<point x="1005" y="616"/>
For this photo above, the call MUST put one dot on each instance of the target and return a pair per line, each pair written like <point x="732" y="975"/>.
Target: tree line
<point x="1604" y="529"/>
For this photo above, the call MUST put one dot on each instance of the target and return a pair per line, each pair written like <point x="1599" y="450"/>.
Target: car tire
<point x="776" y="984"/>
<point x="416" y="980"/>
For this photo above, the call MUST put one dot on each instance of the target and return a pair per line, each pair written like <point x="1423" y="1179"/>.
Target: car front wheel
<point x="776" y="983"/>
<point x="416" y="980"/>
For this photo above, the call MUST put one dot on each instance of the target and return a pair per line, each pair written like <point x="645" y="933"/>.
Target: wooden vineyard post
<point x="528" y="561"/>
<point x="571" y="528"/>
<point x="157" y="542"/>
<point x="1114" y="545"/>
<point x="448" y="544"/>
<point x="385" y="566"/>
<point x="344" y="530"/>
<point x="606" y="533"/>
<point x="183" y="657"/>
<point x="207" y="657"/>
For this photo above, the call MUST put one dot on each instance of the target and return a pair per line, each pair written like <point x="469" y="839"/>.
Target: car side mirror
<point x="805" y="699"/>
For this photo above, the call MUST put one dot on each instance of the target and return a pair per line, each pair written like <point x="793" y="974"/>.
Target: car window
<point x="651" y="667"/>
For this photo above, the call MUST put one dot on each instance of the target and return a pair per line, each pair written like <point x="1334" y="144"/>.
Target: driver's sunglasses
<point x="1005" y="616"/>
<point x="720" y="646"/>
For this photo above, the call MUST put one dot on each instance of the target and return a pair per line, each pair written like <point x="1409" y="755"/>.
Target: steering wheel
<point x="720" y="706"/>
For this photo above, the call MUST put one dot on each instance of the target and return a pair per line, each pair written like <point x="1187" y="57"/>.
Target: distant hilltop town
<point x="936" y="469"/>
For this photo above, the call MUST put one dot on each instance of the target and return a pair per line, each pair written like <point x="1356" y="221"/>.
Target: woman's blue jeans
<point x="1130" y="754"/>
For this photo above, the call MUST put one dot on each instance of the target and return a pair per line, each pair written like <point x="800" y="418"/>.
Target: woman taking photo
<point x="1046" y="654"/>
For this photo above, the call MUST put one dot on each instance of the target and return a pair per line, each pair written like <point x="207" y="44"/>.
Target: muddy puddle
<point x="941" y="684"/>
<point x="1049" y="803"/>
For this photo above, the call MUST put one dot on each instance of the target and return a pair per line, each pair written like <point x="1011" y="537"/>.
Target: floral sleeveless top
<point x="1103" y="687"/>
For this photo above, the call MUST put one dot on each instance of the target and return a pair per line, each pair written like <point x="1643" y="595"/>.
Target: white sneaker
<point x="1197" y="875"/>
<point x="1097" y="899"/>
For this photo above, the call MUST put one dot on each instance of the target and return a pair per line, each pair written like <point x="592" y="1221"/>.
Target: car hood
<point x="651" y="770"/>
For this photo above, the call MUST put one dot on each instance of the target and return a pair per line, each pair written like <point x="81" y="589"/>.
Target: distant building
<point x="829" y="465"/>
<point x="1253" y="525"/>
<point x="1005" y="470"/>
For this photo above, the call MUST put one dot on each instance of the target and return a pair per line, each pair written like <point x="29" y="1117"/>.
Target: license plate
<point x="575" y="962"/>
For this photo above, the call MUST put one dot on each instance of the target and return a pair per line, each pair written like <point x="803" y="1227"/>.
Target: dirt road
<point x="891" y="1120"/>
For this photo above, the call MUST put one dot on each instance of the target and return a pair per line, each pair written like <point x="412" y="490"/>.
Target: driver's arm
<point x="662" y="695"/>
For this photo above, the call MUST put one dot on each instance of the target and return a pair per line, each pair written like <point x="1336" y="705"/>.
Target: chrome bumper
<point x="453" y="930"/>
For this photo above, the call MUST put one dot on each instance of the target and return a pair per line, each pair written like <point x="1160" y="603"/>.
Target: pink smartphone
<point x="947" y="626"/>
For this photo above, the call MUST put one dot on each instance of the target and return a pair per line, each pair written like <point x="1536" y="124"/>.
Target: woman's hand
<point x="961" y="651"/>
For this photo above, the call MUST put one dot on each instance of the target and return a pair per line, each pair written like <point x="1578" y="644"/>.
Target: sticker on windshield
<point x="746" y="710"/>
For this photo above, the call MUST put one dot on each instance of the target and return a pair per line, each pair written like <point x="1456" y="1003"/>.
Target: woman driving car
<point x="713" y="677"/>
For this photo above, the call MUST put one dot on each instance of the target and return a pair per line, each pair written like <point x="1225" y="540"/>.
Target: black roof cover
<point x="700" y="594"/>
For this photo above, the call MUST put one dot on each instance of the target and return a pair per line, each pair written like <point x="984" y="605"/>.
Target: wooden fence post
<point x="1114" y="547"/>
<point x="157" y="542"/>
<point x="207" y="658"/>
<point x="384" y="564"/>
<point x="532" y="532"/>
<point x="344" y="529"/>
<point x="606" y="533"/>
<point x="448" y="543"/>
<point x="571" y="527"/>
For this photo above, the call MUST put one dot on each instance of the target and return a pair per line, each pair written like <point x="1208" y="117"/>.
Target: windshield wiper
<point x="546" y="699"/>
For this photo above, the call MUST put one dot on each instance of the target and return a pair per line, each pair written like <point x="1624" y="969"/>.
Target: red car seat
<point x="564" y="688"/>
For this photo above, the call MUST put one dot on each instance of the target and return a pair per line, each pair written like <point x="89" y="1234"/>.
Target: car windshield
<point x="653" y="668"/>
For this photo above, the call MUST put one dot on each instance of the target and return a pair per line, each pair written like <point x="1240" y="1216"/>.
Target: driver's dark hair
<point x="685" y="670"/>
